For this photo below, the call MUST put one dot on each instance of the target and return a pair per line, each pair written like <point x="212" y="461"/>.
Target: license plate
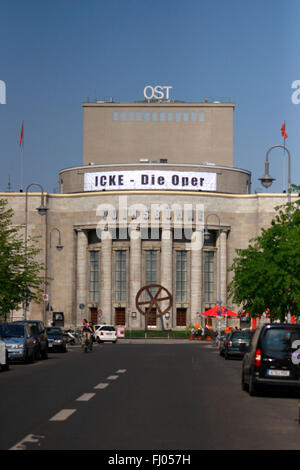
<point x="50" y="345"/>
<point x="278" y="373"/>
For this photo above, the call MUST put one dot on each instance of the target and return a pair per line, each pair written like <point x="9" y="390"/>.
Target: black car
<point x="56" y="339"/>
<point x="234" y="341"/>
<point x="38" y="331"/>
<point x="272" y="359"/>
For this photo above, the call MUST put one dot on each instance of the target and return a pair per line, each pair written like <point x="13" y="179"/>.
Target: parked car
<point x="19" y="341"/>
<point x="106" y="333"/>
<point x="38" y="331"/>
<point x="222" y="341"/>
<point x="234" y="340"/>
<point x="3" y="356"/>
<point x="56" y="339"/>
<point x="272" y="359"/>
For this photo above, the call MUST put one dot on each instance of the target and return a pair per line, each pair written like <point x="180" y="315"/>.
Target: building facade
<point x="156" y="175"/>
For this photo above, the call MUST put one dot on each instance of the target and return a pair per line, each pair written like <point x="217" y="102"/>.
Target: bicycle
<point x="87" y="342"/>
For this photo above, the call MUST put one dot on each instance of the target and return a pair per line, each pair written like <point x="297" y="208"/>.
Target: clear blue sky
<point x="55" y="54"/>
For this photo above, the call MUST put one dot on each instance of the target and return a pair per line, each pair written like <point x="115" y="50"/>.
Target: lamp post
<point x="59" y="247"/>
<point x="42" y="209"/>
<point x="267" y="180"/>
<point x="206" y="237"/>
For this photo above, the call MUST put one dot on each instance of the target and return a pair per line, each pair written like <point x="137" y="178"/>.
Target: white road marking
<point x="31" y="438"/>
<point x="86" y="397"/>
<point x="101" y="386"/>
<point x="112" y="377"/>
<point x="62" y="415"/>
<point x="121" y="371"/>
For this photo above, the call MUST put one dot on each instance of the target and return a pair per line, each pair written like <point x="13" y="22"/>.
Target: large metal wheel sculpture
<point x="157" y="294"/>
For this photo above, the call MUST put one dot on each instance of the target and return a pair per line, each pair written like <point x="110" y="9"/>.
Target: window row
<point x="151" y="275"/>
<point x="170" y="116"/>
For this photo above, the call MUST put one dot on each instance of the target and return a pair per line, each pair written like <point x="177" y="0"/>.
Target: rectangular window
<point x="115" y="115"/>
<point x="131" y="116"/>
<point x="154" y="116"/>
<point x="181" y="276"/>
<point x="193" y="116"/>
<point x="185" y="116"/>
<point x="151" y="268"/>
<point x="170" y="116"/>
<point x="123" y="116"/>
<point x="120" y="276"/>
<point x="94" y="276"/>
<point x="138" y="116"/>
<point x="178" y="116"/>
<point x="208" y="276"/>
<point x="146" y="116"/>
<point x="201" y="116"/>
<point x="162" y="116"/>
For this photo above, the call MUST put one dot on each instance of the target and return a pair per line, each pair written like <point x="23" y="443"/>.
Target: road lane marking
<point x="86" y="397"/>
<point x="121" y="371"/>
<point x="113" y="377"/>
<point x="62" y="415"/>
<point x="30" y="438"/>
<point x="101" y="386"/>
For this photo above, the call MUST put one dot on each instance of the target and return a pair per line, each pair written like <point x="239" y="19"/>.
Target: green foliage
<point x="20" y="273"/>
<point x="267" y="273"/>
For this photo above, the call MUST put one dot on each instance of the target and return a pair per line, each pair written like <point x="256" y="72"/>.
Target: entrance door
<point x="120" y="318"/>
<point x="151" y="319"/>
<point x="94" y="319"/>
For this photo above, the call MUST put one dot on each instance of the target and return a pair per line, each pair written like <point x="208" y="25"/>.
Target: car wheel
<point x="44" y="354"/>
<point x="244" y="385"/>
<point x="38" y="355"/>
<point x="253" y="389"/>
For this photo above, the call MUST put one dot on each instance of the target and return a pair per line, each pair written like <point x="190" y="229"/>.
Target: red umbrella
<point x="213" y="312"/>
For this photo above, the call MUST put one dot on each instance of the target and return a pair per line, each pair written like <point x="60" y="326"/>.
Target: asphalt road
<point x="141" y="396"/>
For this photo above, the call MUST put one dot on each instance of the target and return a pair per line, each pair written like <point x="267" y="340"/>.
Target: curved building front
<point x="155" y="176"/>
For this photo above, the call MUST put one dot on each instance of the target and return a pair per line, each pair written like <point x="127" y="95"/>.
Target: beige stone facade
<point x="77" y="217"/>
<point x="153" y="174"/>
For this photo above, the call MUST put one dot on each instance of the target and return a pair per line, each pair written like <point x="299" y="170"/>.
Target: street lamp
<point x="206" y="237"/>
<point x="42" y="209"/>
<point x="59" y="247"/>
<point x="267" y="180"/>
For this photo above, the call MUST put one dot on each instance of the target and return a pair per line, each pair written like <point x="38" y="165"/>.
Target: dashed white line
<point x="113" y="377"/>
<point x="121" y="371"/>
<point x="101" y="386"/>
<point x="62" y="415"/>
<point x="86" y="397"/>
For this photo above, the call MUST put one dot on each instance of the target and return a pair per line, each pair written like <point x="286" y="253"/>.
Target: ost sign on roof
<point x="131" y="180"/>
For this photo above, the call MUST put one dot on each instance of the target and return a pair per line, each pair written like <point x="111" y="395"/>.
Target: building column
<point x="135" y="274"/>
<point x="196" y="275"/>
<point x="223" y="261"/>
<point x="106" y="277"/>
<point x="81" y="281"/>
<point x="166" y="268"/>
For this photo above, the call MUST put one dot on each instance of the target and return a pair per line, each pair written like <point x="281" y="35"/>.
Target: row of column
<point x="135" y="272"/>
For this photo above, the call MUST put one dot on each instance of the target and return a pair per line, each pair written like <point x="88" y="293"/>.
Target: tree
<point x="20" y="273"/>
<point x="267" y="273"/>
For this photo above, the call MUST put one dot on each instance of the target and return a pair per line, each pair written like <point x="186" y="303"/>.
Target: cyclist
<point x="86" y="331"/>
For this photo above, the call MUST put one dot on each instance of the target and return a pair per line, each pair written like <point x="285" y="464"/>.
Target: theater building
<point x="156" y="175"/>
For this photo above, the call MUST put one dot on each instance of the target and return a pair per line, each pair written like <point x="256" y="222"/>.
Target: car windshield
<point x="108" y="328"/>
<point x="12" y="331"/>
<point x="54" y="331"/>
<point x="280" y="339"/>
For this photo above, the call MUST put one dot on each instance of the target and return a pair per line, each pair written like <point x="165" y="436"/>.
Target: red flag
<point x="283" y="133"/>
<point x="22" y="134"/>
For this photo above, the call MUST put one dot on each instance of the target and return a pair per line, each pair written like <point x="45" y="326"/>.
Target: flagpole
<point x="22" y="157"/>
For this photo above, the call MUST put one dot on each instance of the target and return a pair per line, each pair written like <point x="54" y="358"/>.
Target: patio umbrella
<point x="213" y="312"/>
